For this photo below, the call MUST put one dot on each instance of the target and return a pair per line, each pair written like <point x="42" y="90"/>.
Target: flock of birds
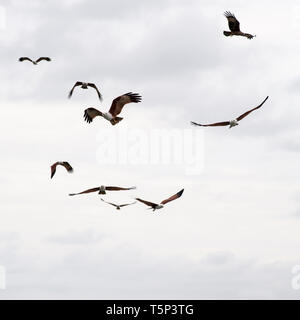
<point x="116" y="108"/>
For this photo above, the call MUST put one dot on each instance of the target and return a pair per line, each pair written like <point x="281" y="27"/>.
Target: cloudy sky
<point x="234" y="234"/>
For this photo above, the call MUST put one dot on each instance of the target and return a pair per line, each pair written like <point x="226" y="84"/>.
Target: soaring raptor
<point x="102" y="190"/>
<point x="234" y="27"/>
<point x="115" y="109"/>
<point x="85" y="85"/>
<point x="231" y="123"/>
<point x="34" y="61"/>
<point x="156" y="206"/>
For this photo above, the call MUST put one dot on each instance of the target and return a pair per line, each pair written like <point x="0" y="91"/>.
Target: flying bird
<point x="60" y="163"/>
<point x="85" y="85"/>
<point x="231" y="123"/>
<point x="118" y="207"/>
<point x="234" y="27"/>
<point x="115" y="109"/>
<point x="34" y="62"/>
<point x="156" y="206"/>
<point x="102" y="190"/>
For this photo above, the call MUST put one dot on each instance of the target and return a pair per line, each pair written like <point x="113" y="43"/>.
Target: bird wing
<point x="217" y="124"/>
<point x="148" y="203"/>
<point x="176" y="196"/>
<point x="118" y="103"/>
<point x="109" y="203"/>
<point x="43" y="58"/>
<point x="91" y="113"/>
<point x="67" y="166"/>
<point x="92" y="85"/>
<point x="233" y="23"/>
<point x="118" y="188"/>
<point x="78" y="83"/>
<point x="248" y="112"/>
<point x="127" y="204"/>
<point x="25" y="58"/>
<point x="86" y="191"/>
<point x="53" y="169"/>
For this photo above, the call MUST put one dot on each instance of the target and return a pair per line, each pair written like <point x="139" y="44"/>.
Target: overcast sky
<point x="234" y="234"/>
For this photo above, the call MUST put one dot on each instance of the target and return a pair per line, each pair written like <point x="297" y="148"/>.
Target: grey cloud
<point x="77" y="238"/>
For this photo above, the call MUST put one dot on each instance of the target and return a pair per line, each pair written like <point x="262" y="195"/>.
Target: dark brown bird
<point x="85" y="85"/>
<point x="234" y="27"/>
<point x="102" y="190"/>
<point x="156" y="206"/>
<point x="60" y="163"/>
<point x="34" y="62"/>
<point x="118" y="207"/>
<point x="231" y="123"/>
<point x="115" y="109"/>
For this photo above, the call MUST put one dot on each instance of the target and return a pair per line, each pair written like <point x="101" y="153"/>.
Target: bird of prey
<point x="156" y="206"/>
<point x="102" y="190"/>
<point x="115" y="109"/>
<point x="231" y="123"/>
<point x="60" y="163"/>
<point x="118" y="207"/>
<point x="85" y="85"/>
<point x="234" y="27"/>
<point x="36" y="61"/>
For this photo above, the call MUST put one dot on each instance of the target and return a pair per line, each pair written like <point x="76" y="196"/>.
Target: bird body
<point x="233" y="123"/>
<point x="159" y="206"/>
<point x="107" y="116"/>
<point x="102" y="190"/>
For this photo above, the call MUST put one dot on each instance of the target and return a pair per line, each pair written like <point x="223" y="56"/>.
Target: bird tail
<point x="249" y="36"/>
<point x="227" y="33"/>
<point x="102" y="192"/>
<point x="115" y="120"/>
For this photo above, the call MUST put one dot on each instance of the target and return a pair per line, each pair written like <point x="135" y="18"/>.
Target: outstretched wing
<point x="176" y="196"/>
<point x="109" y="203"/>
<point x="53" y="169"/>
<point x="25" y="58"/>
<point x="148" y="203"/>
<point x="233" y="23"/>
<point x="67" y="166"/>
<point x="92" y="85"/>
<point x="43" y="58"/>
<point x="248" y="112"/>
<point x="118" y="103"/>
<point x="91" y="113"/>
<point x="127" y="204"/>
<point x="86" y="191"/>
<point x="217" y="124"/>
<point x="118" y="188"/>
<point x="78" y="83"/>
